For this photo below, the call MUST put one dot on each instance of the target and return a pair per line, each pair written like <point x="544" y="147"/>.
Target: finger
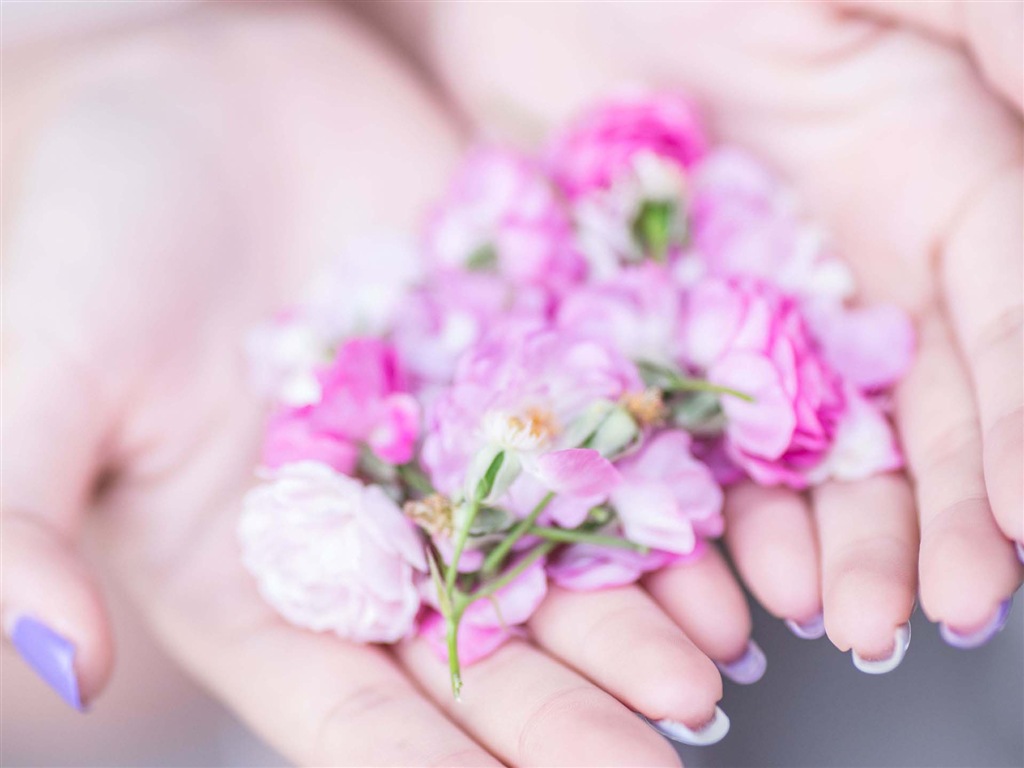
<point x="52" y="430"/>
<point x="967" y="567"/>
<point x="771" y="537"/>
<point x="868" y="539"/>
<point x="993" y="34"/>
<point x="703" y="598"/>
<point x="532" y="711"/>
<point x="598" y="634"/>
<point x="983" y="270"/>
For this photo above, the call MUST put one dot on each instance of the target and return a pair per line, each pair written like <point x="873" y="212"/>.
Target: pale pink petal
<point x="872" y="347"/>
<point x="577" y="472"/>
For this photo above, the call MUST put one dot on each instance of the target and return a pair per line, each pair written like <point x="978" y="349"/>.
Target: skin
<point x="900" y="126"/>
<point x="133" y="268"/>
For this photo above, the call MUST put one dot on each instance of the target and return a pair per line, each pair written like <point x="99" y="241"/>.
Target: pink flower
<point x="667" y="498"/>
<point x="502" y="213"/>
<point x="290" y="437"/>
<point x="746" y="336"/>
<point x="519" y="393"/>
<point x="331" y="554"/>
<point x="587" y="567"/>
<point x="743" y="222"/>
<point x="365" y="401"/>
<point x="283" y="355"/>
<point x="601" y="146"/>
<point x="488" y="623"/>
<point x="639" y="311"/>
<point x="447" y="315"/>
<point x="871" y="347"/>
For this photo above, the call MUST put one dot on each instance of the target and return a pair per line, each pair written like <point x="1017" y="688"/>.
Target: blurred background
<point x="941" y="707"/>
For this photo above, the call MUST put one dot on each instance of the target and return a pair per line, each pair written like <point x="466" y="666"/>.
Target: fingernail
<point x="50" y="655"/>
<point x="981" y="635"/>
<point x="710" y="733"/>
<point x="811" y="629"/>
<point x="748" y="668"/>
<point x="901" y="642"/>
<point x="1019" y="546"/>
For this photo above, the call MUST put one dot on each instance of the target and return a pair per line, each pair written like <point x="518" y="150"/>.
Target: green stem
<point x="512" y="573"/>
<point x="497" y="555"/>
<point x="415" y="478"/>
<point x="563" y="535"/>
<point x="679" y="384"/>
<point x="452" y="631"/>
<point x="460" y="544"/>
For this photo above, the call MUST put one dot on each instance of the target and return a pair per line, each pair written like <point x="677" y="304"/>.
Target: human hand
<point x="183" y="194"/>
<point x="901" y="127"/>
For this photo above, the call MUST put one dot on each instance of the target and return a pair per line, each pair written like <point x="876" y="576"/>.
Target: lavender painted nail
<point x="748" y="668"/>
<point x="981" y="635"/>
<point x="811" y="629"/>
<point x="710" y="733"/>
<point x="1019" y="546"/>
<point x="50" y="655"/>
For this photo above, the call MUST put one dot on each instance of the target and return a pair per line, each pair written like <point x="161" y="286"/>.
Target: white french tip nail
<point x="880" y="666"/>
<point x="710" y="733"/>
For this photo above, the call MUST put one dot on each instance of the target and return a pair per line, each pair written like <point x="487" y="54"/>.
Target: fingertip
<point x="53" y="612"/>
<point x="863" y="607"/>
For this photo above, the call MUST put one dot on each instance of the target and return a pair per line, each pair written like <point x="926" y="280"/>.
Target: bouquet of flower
<point x="603" y="336"/>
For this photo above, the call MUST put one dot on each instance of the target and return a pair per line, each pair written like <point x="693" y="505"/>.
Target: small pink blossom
<point x="601" y="146"/>
<point x="667" y="499"/>
<point x="488" y="624"/>
<point x="500" y="207"/>
<point x="290" y="437"/>
<point x="588" y="567"/>
<point x="365" y="400"/>
<point x="639" y="311"/>
<point x="332" y="554"/>
<point x="518" y="393"/>
<point x="871" y="347"/>
<point x="451" y="312"/>
<point x="746" y="336"/>
<point x="744" y="223"/>
<point x="283" y="356"/>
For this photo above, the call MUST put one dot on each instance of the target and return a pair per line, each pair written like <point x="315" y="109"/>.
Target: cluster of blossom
<point x="604" y="334"/>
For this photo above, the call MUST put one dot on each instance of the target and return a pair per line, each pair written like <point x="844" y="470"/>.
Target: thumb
<point x="51" y="608"/>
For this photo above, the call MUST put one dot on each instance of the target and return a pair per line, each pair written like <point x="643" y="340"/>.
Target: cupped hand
<point x="900" y="126"/>
<point x="183" y="184"/>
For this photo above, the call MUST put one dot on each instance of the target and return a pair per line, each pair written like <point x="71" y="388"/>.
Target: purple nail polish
<point x="811" y="629"/>
<point x="981" y="635"/>
<point x="748" y="668"/>
<point x="1019" y="546"/>
<point x="50" y="655"/>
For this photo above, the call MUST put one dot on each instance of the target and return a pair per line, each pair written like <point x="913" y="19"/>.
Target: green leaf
<point x="653" y="226"/>
<point x="486" y="484"/>
<point x="483" y="259"/>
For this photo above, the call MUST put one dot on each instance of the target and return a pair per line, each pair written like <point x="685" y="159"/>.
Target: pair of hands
<point x="188" y="180"/>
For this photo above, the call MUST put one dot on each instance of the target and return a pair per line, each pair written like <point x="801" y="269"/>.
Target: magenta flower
<point x="667" y="499"/>
<point x="600" y="147"/>
<point x="501" y="213"/>
<point x="290" y="437"/>
<point x="747" y="336"/>
<point x="332" y="554"/>
<point x="489" y="623"/>
<point x="519" y="393"/>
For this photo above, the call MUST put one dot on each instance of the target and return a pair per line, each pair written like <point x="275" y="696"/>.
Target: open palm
<point x="902" y="132"/>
